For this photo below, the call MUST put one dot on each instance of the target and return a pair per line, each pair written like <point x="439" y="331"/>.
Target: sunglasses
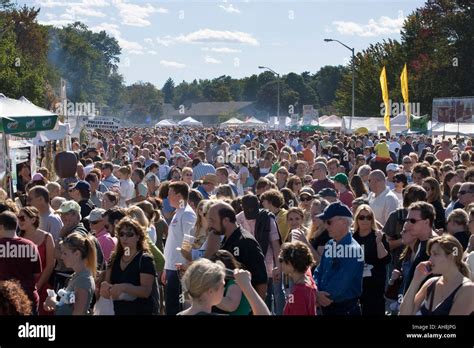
<point x="21" y="218"/>
<point x="126" y="234"/>
<point x="306" y="198"/>
<point x="308" y="181"/>
<point x="413" y="221"/>
<point x="365" y="217"/>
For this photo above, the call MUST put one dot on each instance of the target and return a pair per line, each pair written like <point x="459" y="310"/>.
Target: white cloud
<point x="154" y="53"/>
<point x="170" y="64"/>
<point x="221" y="50"/>
<point x="148" y="41"/>
<point x="51" y="3"/>
<point x="230" y="8"/>
<point x="217" y="36"/>
<point x="113" y="29"/>
<point x="210" y="60"/>
<point x="383" y="26"/>
<point x="81" y="11"/>
<point x="166" y="41"/>
<point x="136" y="15"/>
<point x="56" y="22"/>
<point x="136" y="52"/>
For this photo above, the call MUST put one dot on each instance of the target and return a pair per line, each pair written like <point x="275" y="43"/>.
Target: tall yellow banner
<point x="383" y="85"/>
<point x="404" y="85"/>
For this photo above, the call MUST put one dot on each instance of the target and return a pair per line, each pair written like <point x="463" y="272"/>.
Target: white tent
<point x="232" y="122"/>
<point x="452" y="129"/>
<point x="373" y="124"/>
<point x="253" y="122"/>
<point x="189" y="121"/>
<point x="331" y="122"/>
<point x="165" y="123"/>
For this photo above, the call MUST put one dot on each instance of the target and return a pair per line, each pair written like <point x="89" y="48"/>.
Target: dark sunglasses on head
<point x="126" y="234"/>
<point x="460" y="193"/>
<point x="365" y="217"/>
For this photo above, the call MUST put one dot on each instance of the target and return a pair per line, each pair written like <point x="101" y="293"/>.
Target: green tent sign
<point x="15" y="125"/>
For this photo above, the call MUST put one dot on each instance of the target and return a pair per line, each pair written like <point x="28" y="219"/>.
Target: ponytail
<point x="91" y="255"/>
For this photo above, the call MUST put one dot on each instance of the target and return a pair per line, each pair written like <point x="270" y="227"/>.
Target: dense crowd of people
<point x="187" y="221"/>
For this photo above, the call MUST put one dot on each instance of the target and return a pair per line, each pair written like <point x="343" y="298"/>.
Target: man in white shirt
<point x="183" y="221"/>
<point x="381" y="199"/>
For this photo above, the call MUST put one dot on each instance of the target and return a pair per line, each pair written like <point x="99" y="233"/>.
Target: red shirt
<point x="346" y="197"/>
<point x="20" y="259"/>
<point x="302" y="301"/>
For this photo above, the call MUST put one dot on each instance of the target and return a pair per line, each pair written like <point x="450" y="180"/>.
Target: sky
<point x="188" y="40"/>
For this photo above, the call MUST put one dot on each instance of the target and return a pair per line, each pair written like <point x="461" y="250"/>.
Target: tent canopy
<point x="332" y="121"/>
<point x="232" y="121"/>
<point x="189" y="121"/>
<point x="22" y="116"/>
<point x="253" y="121"/>
<point x="165" y="123"/>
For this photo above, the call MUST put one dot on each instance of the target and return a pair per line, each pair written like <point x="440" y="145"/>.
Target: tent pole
<point x="8" y="164"/>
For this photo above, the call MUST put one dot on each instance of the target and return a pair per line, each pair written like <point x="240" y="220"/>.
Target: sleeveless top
<point x="444" y="307"/>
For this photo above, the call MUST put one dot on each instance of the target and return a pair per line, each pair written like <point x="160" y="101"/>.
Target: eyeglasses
<point x="306" y="198"/>
<point x="413" y="221"/>
<point x="126" y="234"/>
<point x="365" y="217"/>
<point x="21" y="218"/>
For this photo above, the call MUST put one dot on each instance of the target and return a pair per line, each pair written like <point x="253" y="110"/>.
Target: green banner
<point x="419" y="123"/>
<point x="27" y="124"/>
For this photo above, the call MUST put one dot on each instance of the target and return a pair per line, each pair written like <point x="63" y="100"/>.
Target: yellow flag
<point x="383" y="85"/>
<point x="404" y="84"/>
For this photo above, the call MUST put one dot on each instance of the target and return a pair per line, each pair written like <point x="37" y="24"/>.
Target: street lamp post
<point x="278" y="88"/>
<point x="353" y="77"/>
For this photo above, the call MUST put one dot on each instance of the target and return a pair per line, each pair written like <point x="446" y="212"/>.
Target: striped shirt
<point x="202" y="169"/>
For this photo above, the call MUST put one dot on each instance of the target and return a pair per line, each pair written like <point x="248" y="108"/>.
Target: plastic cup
<point x="188" y="241"/>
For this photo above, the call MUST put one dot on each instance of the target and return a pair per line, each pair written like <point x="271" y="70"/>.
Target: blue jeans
<point x="275" y="299"/>
<point x="172" y="293"/>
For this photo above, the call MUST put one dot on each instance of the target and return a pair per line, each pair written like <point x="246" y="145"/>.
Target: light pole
<point x="278" y="87"/>
<point x="353" y="77"/>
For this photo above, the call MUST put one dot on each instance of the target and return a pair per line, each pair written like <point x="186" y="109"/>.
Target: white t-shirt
<point x="127" y="190"/>
<point x="383" y="204"/>
<point x="182" y="223"/>
<point x="393" y="146"/>
<point x="152" y="233"/>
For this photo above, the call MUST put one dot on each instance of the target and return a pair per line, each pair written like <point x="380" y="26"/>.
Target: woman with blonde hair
<point x="317" y="236"/>
<point x="187" y="176"/>
<point x="376" y="257"/>
<point x="137" y="214"/>
<point x="449" y="293"/>
<point x="204" y="284"/>
<point x="78" y="252"/>
<point x="458" y="226"/>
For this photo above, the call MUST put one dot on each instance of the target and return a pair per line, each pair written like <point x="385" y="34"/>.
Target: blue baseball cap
<point x="335" y="209"/>
<point x="82" y="185"/>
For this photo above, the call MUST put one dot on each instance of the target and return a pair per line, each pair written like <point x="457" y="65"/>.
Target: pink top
<point x="107" y="243"/>
<point x="249" y="226"/>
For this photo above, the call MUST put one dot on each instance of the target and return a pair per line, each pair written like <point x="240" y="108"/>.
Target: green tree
<point x="168" y="90"/>
<point x="144" y="100"/>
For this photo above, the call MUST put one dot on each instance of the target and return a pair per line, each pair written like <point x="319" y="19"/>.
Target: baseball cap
<point x="37" y="177"/>
<point x="81" y="185"/>
<point x="392" y="167"/>
<point x="307" y="190"/>
<point x="327" y="192"/>
<point x="335" y="209"/>
<point x="95" y="215"/>
<point x="341" y="178"/>
<point x="68" y="206"/>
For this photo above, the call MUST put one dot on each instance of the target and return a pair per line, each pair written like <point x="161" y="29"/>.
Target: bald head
<point x="221" y="217"/>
